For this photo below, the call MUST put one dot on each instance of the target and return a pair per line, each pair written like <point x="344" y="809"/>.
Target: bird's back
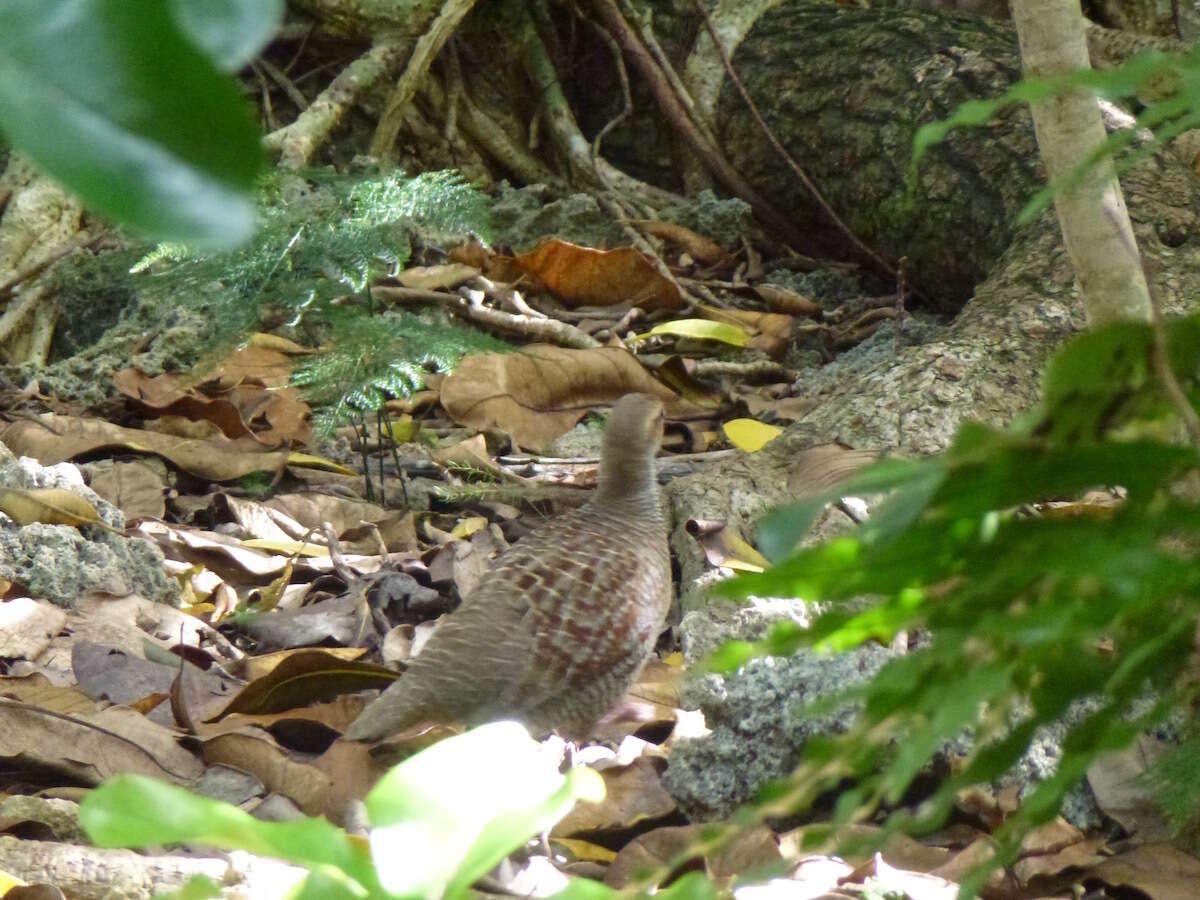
<point x="554" y="635"/>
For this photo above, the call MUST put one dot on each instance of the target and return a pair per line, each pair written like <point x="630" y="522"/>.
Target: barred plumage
<point x="557" y="632"/>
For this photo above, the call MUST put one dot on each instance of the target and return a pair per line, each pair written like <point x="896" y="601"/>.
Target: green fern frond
<point x="172" y="253"/>
<point x="377" y="358"/>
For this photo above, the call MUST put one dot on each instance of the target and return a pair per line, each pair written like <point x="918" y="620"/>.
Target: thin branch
<point x="66" y="248"/>
<point x="285" y="84"/>
<point x="675" y="113"/>
<point x="867" y="253"/>
<point x="296" y="143"/>
<point x="471" y="307"/>
<point x="427" y="48"/>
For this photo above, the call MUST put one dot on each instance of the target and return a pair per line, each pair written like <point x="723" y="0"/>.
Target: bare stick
<point x="428" y="46"/>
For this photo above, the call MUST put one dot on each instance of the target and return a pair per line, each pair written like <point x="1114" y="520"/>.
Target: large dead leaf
<point x="51" y="439"/>
<point x="541" y="392"/>
<point x="633" y="794"/>
<point x="753" y="848"/>
<point x="257" y="406"/>
<point x="581" y="276"/>
<point x="1119" y="781"/>
<point x="136" y="487"/>
<point x="50" y="506"/>
<point x="305" y="677"/>
<point x="1153" y="870"/>
<point x="105" y="672"/>
<point x="253" y="750"/>
<point x="96" y="745"/>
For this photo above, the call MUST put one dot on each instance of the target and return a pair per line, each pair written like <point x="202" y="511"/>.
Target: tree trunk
<point x="1092" y="214"/>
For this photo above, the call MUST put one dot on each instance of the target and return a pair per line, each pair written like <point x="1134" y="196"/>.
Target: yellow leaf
<point x="750" y="434"/>
<point x="50" y="506"/>
<point x="403" y="429"/>
<point x="703" y="329"/>
<point x="291" y="548"/>
<point x="469" y="526"/>
<point x="317" y="462"/>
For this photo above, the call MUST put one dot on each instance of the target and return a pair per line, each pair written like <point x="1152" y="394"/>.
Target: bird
<point x="559" y="629"/>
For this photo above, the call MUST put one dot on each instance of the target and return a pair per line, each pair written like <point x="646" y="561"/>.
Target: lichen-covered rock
<point x="61" y="563"/>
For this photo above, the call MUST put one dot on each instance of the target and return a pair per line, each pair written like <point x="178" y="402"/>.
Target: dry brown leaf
<point x="787" y="301"/>
<point x="94" y="746"/>
<point x="257" y="362"/>
<point x="581" y="276"/>
<point x="104" y="671"/>
<point x="1118" y="779"/>
<point x="471" y="453"/>
<point x="51" y="439"/>
<point x="137" y="487"/>
<point x="304" y="677"/>
<point x="435" y="278"/>
<point x="898" y="849"/>
<point x="336" y="715"/>
<point x="250" y="399"/>
<point x="633" y="795"/>
<point x="541" y="392"/>
<point x="253" y="750"/>
<point x="1155" y="870"/>
<point x="752" y="849"/>
<point x="279" y="344"/>
<point x="37" y="690"/>
<point x="696" y="245"/>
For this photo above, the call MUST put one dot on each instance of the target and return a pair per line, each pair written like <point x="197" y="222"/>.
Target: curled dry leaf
<point x="581" y="276"/>
<point x="696" y="245"/>
<point x="783" y="300"/>
<point x="541" y="392"/>
<point x="51" y="439"/>
<point x="435" y="278"/>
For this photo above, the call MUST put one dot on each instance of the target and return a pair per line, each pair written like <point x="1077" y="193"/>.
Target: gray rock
<point x="759" y="729"/>
<point x="756" y="714"/>
<point x="61" y="563"/>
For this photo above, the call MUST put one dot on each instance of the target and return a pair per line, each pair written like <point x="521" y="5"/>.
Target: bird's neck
<point x="628" y="485"/>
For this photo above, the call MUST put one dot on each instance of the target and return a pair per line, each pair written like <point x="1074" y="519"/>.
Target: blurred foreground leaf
<point x="110" y="98"/>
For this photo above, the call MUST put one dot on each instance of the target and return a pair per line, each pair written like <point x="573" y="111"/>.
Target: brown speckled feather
<point x="554" y="635"/>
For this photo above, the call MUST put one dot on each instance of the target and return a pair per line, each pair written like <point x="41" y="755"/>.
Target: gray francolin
<point x="555" y="634"/>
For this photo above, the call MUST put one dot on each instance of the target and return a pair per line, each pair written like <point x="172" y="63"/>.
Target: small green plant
<point x="1027" y="613"/>
<point x="439" y="820"/>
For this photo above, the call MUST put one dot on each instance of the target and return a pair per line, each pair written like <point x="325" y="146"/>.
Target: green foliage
<point x="1175" y="782"/>
<point x="1166" y="87"/>
<point x="1020" y="606"/>
<point x="376" y="358"/>
<point x="438" y="820"/>
<point x="324" y="237"/>
<point x="118" y="102"/>
<point x="229" y="31"/>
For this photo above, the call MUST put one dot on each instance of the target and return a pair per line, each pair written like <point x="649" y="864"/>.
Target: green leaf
<point x="445" y="816"/>
<point x="112" y="100"/>
<point x="781" y="529"/>
<point x="705" y="329"/>
<point x="135" y="811"/>
<point x="231" y="32"/>
<point x="585" y="889"/>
